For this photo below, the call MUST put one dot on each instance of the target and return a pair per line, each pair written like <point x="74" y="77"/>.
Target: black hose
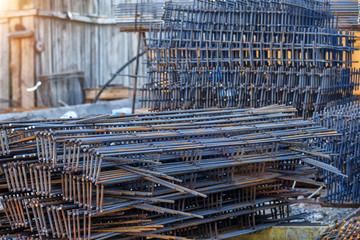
<point x="115" y="75"/>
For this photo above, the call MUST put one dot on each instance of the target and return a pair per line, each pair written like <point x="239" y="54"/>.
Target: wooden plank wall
<point x="17" y="56"/>
<point x="70" y="46"/>
<point x="4" y="60"/>
<point x="98" y="50"/>
<point x="27" y="48"/>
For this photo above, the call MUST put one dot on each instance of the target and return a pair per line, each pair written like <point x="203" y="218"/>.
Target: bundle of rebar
<point x="345" y="118"/>
<point x="347" y="228"/>
<point x="210" y="173"/>
<point x="346" y="12"/>
<point x="138" y="15"/>
<point x="243" y="53"/>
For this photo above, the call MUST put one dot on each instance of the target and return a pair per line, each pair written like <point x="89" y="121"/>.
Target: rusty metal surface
<point x="172" y="175"/>
<point x="345" y="228"/>
<point x="248" y="54"/>
<point x="198" y="173"/>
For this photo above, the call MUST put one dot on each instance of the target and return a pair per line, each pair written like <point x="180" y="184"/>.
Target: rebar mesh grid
<point x="345" y="118"/>
<point x="135" y="15"/>
<point x="215" y="53"/>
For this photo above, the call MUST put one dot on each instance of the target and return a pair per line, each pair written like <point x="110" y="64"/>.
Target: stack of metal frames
<point x="242" y="53"/>
<point x="210" y="173"/>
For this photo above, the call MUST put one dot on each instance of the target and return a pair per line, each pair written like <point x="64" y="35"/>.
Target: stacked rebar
<point x="347" y="13"/>
<point x="248" y="54"/>
<point x="211" y="173"/>
<point x="138" y="15"/>
<point x="345" y="118"/>
<point x="346" y="229"/>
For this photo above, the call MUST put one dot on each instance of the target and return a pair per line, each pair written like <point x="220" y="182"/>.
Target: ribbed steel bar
<point x="345" y="118"/>
<point x="346" y="229"/>
<point x="347" y="13"/>
<point x="248" y="54"/>
<point x="138" y="15"/>
<point x="210" y="173"/>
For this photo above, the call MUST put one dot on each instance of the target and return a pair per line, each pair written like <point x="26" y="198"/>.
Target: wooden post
<point x="15" y="59"/>
<point x="4" y="61"/>
<point x="22" y="58"/>
<point x="28" y="65"/>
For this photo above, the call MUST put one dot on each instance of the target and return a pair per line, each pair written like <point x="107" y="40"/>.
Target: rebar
<point x="248" y="54"/>
<point x="346" y="12"/>
<point x="138" y="15"/>
<point x="210" y="173"/>
<point x="346" y="228"/>
<point x="345" y="118"/>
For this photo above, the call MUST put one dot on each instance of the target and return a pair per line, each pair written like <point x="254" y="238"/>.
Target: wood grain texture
<point x="98" y="50"/>
<point x="15" y="59"/>
<point x="27" y="75"/>
<point x="4" y="67"/>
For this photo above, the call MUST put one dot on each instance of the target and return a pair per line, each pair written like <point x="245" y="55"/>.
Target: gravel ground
<point x="319" y="214"/>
